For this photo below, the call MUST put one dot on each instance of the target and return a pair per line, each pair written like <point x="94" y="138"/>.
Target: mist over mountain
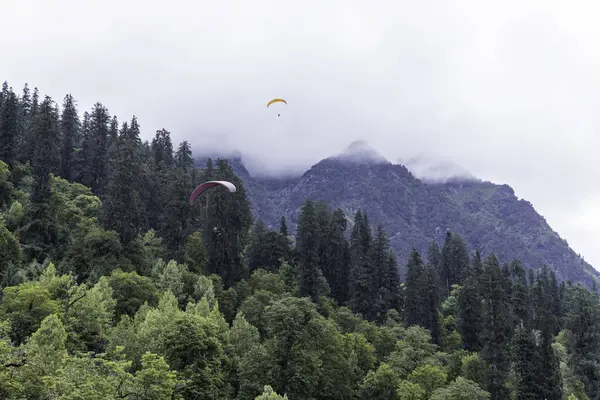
<point x="435" y="169"/>
<point x="360" y="152"/>
<point x="416" y="203"/>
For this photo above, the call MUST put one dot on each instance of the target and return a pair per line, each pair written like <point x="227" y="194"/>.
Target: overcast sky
<point x="507" y="89"/>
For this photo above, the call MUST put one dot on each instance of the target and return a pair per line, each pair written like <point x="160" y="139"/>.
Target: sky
<point x="508" y="90"/>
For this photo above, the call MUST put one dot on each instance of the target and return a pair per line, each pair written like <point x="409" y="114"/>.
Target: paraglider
<point x="276" y="101"/>
<point x="206" y="185"/>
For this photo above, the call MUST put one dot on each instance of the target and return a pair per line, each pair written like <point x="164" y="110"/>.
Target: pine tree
<point x="434" y="257"/>
<point x="226" y="224"/>
<point x="360" y="284"/>
<point x="283" y="229"/>
<point x="151" y="185"/>
<point x="98" y="147"/>
<point x="25" y="123"/>
<point x="28" y="142"/>
<point x="379" y="257"/>
<point x="470" y="318"/>
<point x="257" y="253"/>
<point x="431" y="307"/>
<point x="556" y="305"/>
<point x="519" y="294"/>
<point x="35" y="102"/>
<point x="69" y="126"/>
<point x="413" y="302"/>
<point x="177" y="221"/>
<point x="454" y="261"/>
<point x="113" y="131"/>
<point x="548" y="377"/>
<point x="41" y="233"/>
<point x="526" y="364"/>
<point x="4" y="91"/>
<point x="336" y="266"/>
<point x="323" y="217"/>
<point x="46" y="133"/>
<point x="496" y="329"/>
<point x="477" y="265"/>
<point x="162" y="148"/>
<point x="122" y="206"/>
<point x="307" y="245"/>
<point x="9" y="128"/>
<point x="583" y="322"/>
<point x="25" y="103"/>
<point x="156" y="177"/>
<point x="265" y="248"/>
<point x="286" y="240"/>
<point x="392" y="282"/>
<point x="83" y="153"/>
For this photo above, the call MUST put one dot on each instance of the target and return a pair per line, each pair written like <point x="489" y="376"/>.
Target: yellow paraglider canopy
<point x="276" y="101"/>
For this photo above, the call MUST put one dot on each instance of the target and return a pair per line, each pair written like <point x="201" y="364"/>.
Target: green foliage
<point x="95" y="252"/>
<point x="6" y="186"/>
<point x="130" y="291"/>
<point x="269" y="394"/>
<point x="473" y="368"/>
<point x="429" y="377"/>
<point x="195" y="253"/>
<point x="114" y="287"/>
<point x="25" y="306"/>
<point x="10" y="253"/>
<point x="410" y="391"/>
<point x="461" y="389"/>
<point x="380" y="384"/>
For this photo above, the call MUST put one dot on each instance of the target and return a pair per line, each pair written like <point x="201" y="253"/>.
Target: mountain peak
<point x="360" y="151"/>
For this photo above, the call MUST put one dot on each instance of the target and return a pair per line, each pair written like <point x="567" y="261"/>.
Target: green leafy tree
<point x="429" y="377"/>
<point x="10" y="254"/>
<point x="461" y="389"/>
<point x="6" y="186"/>
<point x="380" y="384"/>
<point x="130" y="291"/>
<point x="25" y="306"/>
<point x="270" y="394"/>
<point x="306" y="351"/>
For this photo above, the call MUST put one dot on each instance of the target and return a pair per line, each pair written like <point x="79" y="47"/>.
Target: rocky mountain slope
<point x="488" y="216"/>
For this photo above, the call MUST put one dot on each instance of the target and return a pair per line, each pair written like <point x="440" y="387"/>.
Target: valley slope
<point x="488" y="216"/>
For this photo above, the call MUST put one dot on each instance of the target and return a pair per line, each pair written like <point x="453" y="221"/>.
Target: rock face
<point x="488" y="216"/>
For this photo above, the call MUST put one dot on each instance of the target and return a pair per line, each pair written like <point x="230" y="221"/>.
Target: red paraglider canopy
<point x="200" y="189"/>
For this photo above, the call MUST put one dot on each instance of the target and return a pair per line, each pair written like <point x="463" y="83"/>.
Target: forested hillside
<point x="413" y="212"/>
<point x="114" y="287"/>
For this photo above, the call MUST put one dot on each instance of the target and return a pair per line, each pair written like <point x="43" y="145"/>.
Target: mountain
<point x="413" y="212"/>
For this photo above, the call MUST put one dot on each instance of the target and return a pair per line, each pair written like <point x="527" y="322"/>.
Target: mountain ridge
<point x="413" y="212"/>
